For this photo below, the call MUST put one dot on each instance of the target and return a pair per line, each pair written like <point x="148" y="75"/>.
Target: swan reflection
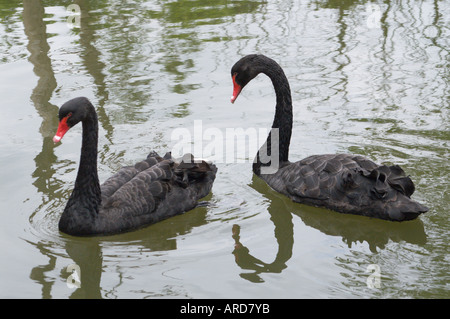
<point x="352" y="230"/>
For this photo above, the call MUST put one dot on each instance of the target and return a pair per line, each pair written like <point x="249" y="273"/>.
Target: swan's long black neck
<point x="86" y="195"/>
<point x="280" y="136"/>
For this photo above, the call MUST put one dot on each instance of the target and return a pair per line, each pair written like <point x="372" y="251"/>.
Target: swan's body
<point x="150" y="191"/>
<point x="342" y="182"/>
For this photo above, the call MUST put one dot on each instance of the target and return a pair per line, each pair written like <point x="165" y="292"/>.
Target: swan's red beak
<point x="236" y="89"/>
<point x="62" y="129"/>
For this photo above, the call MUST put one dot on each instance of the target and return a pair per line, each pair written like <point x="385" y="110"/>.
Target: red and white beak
<point x="62" y="129"/>
<point x="236" y="89"/>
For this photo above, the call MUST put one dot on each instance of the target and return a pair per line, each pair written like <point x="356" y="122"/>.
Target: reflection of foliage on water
<point x="137" y="37"/>
<point x="191" y="13"/>
<point x="339" y="4"/>
<point x="179" y="19"/>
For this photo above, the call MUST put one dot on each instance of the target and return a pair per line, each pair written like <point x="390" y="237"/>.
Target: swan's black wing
<point x="154" y="189"/>
<point x="348" y="184"/>
<point x="125" y="174"/>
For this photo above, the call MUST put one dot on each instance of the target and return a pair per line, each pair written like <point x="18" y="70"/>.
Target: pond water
<point x="369" y="78"/>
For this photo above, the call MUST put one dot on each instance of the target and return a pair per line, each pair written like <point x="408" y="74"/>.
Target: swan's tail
<point x="190" y="172"/>
<point x="403" y="208"/>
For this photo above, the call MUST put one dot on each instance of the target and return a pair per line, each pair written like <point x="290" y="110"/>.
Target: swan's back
<point x="348" y="184"/>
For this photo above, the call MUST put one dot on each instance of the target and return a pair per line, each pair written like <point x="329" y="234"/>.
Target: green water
<point x="369" y="78"/>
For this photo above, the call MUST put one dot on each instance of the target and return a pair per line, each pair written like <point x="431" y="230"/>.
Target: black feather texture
<point x="136" y="196"/>
<point x="341" y="182"/>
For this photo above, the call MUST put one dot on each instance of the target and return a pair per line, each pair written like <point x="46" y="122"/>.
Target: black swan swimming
<point x="341" y="182"/>
<point x="150" y="191"/>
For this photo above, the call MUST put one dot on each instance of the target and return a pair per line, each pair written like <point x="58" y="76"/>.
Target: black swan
<point x="150" y="191"/>
<point x="341" y="182"/>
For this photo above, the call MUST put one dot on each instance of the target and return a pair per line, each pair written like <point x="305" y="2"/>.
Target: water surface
<point x="369" y="78"/>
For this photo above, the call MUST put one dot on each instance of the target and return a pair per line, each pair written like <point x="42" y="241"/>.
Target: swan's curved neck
<point x="275" y="150"/>
<point x="87" y="187"/>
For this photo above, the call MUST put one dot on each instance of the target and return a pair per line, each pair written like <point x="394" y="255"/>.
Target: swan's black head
<point x="245" y="70"/>
<point x="70" y="113"/>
